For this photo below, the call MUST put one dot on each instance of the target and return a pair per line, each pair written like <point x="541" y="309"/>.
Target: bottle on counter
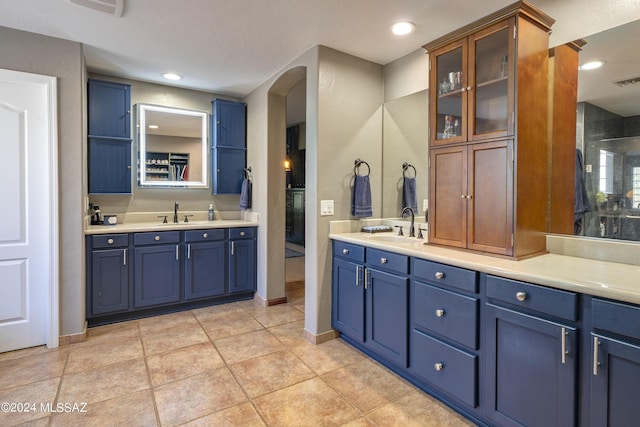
<point x="211" y="216"/>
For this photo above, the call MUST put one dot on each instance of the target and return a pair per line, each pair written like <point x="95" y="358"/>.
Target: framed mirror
<point x="172" y="147"/>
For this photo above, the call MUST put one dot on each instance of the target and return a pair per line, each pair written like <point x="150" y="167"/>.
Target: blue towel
<point x="361" y="202"/>
<point x="245" y="195"/>
<point x="409" y="197"/>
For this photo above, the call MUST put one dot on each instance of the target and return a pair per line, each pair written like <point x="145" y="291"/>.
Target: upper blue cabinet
<point x="109" y="159"/>
<point x="229" y="146"/>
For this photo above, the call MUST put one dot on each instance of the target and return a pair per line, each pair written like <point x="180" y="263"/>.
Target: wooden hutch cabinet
<point x="488" y="133"/>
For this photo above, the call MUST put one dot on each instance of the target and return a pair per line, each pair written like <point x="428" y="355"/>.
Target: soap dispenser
<point x="211" y="216"/>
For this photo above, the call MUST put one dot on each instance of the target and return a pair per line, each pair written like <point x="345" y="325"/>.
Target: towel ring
<point x="358" y="163"/>
<point x="405" y="167"/>
<point x="247" y="172"/>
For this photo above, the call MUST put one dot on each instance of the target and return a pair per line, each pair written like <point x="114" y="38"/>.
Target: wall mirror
<point x="404" y="140"/>
<point x="172" y="147"/>
<point x="608" y="133"/>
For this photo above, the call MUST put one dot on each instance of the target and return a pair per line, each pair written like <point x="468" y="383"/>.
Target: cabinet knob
<point x="345" y="251"/>
<point x="463" y="196"/>
<point x="469" y="88"/>
<point x="205" y="235"/>
<point x="156" y="238"/>
<point x="439" y="366"/>
<point x="440" y="312"/>
<point x="383" y="260"/>
<point x="439" y="275"/>
<point x="110" y="241"/>
<point x="242" y="233"/>
<point x="521" y="296"/>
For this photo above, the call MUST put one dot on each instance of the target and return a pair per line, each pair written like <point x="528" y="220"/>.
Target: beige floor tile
<point x="182" y="363"/>
<point x="367" y="385"/>
<point x="291" y="334"/>
<point x="272" y="372"/>
<point x="94" y="354"/>
<point x="241" y="415"/>
<point x="31" y="369"/>
<point x="247" y="346"/>
<point x="40" y="422"/>
<point x="217" y="311"/>
<point x="31" y="351"/>
<point x="360" y="422"/>
<point x="328" y="356"/>
<point x="135" y="409"/>
<point x="308" y="403"/>
<point x="35" y="393"/>
<point x="181" y="335"/>
<point x="232" y="324"/>
<point x="159" y="323"/>
<point x="194" y="397"/>
<point x="104" y="383"/>
<point x="275" y="315"/>
<point x="114" y="331"/>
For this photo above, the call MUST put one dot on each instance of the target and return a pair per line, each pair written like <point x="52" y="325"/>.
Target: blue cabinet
<point x="229" y="146"/>
<point x="205" y="263"/>
<point x="157" y="268"/>
<point x="242" y="259"/>
<point x="108" y="274"/>
<point x="109" y="118"/>
<point x="347" y="301"/>
<point x="615" y="364"/>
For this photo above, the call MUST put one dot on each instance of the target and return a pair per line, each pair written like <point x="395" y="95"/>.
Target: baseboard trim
<point x="65" y="340"/>
<point x="269" y="302"/>
<point x="320" y="338"/>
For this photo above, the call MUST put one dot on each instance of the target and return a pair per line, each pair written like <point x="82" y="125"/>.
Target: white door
<point x="28" y="212"/>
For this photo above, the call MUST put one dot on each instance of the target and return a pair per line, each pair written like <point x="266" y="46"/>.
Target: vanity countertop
<point x="134" y="227"/>
<point x="599" y="278"/>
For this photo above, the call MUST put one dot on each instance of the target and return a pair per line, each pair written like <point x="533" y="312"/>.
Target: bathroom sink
<point x="393" y="238"/>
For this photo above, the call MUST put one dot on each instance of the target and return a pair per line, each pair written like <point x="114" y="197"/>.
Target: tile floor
<point x="237" y="364"/>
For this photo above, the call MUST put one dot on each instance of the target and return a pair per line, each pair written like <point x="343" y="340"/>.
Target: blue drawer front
<point x="242" y="233"/>
<point x="103" y="241"/>
<point x="555" y="302"/>
<point x="204" y="235"/>
<point x="448" y="314"/>
<point x="156" y="238"/>
<point x="616" y="317"/>
<point x="460" y="278"/>
<point x="387" y="261"/>
<point x="446" y="367"/>
<point x="349" y="251"/>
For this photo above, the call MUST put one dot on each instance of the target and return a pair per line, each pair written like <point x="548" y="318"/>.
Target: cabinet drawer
<point x="242" y="233"/>
<point x="616" y="317"/>
<point x="442" y="274"/>
<point x="446" y="367"/>
<point x="204" y="235"/>
<point x="555" y="302"/>
<point x="387" y="261"/>
<point x="349" y="251"/>
<point x="109" y="241"/>
<point x="156" y="238"/>
<point x="446" y="313"/>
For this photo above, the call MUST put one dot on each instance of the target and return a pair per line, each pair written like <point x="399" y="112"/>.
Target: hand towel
<point x="245" y="195"/>
<point x="581" y="203"/>
<point x="409" y="197"/>
<point x="361" y="202"/>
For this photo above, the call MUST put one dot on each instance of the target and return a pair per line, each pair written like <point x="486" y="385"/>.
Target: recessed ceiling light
<point x="172" y="76"/>
<point x="591" y="65"/>
<point x="402" y="28"/>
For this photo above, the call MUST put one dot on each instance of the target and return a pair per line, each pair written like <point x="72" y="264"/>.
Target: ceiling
<point x="232" y="46"/>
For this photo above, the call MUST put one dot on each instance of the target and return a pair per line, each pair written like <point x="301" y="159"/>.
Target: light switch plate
<point x="589" y="168"/>
<point x="326" y="207"/>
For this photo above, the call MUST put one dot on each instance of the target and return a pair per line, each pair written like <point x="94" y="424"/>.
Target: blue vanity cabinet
<point x="229" y="146"/>
<point x="157" y="268"/>
<point x="109" y="131"/>
<point x="108" y="275"/>
<point x="205" y="263"/>
<point x="615" y="364"/>
<point x="531" y="375"/>
<point x="242" y="259"/>
<point x="347" y="300"/>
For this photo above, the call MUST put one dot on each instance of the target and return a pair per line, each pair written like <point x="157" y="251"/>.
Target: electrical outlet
<point x="326" y="207"/>
<point x="588" y="168"/>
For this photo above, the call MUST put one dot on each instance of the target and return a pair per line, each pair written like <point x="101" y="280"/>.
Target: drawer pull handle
<point x="205" y="235"/>
<point x="439" y="275"/>
<point x="521" y="296"/>
<point x="440" y="312"/>
<point x="439" y="366"/>
<point x="242" y="233"/>
<point x="383" y="260"/>
<point x="110" y="241"/>
<point x="345" y="251"/>
<point x="157" y="238"/>
<point x="596" y="344"/>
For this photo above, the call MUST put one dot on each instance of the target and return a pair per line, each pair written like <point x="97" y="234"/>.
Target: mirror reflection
<point x="172" y="147"/>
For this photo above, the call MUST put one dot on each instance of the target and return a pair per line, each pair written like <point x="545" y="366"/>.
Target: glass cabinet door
<point x="491" y="70"/>
<point x="449" y="83"/>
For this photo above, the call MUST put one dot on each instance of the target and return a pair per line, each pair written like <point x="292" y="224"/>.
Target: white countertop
<point x="135" y="227"/>
<point x="599" y="278"/>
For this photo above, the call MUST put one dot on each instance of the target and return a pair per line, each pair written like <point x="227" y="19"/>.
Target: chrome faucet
<point x="175" y="213"/>
<point x="412" y="230"/>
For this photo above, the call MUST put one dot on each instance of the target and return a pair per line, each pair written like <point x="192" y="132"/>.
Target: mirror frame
<point x="141" y="113"/>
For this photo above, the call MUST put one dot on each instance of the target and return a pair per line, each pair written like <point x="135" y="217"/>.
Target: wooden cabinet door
<point x="448" y="192"/>
<point x="528" y="379"/>
<point x="242" y="265"/>
<point x="109" y="109"/>
<point x="490" y="197"/>
<point x="347" y="311"/>
<point x="614" y="383"/>
<point x="109" y="166"/>
<point x="157" y="275"/>
<point x="229" y="124"/>
<point x="109" y="281"/>
<point x="205" y="270"/>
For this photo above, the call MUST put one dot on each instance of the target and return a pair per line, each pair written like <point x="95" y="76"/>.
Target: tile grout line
<point x="149" y="379"/>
